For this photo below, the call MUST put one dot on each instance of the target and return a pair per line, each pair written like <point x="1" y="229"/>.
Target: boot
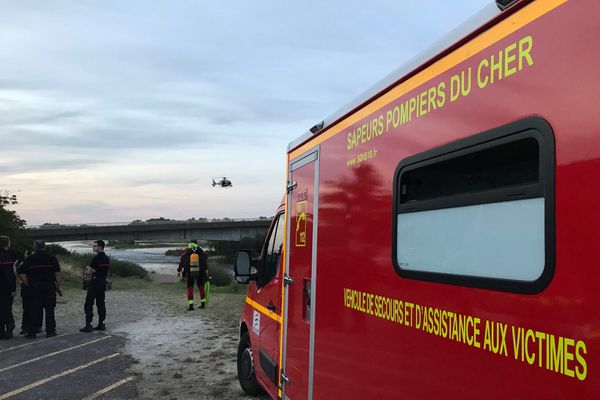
<point x="50" y="334"/>
<point x="100" y="327"/>
<point x="87" y="328"/>
<point x="190" y="307"/>
<point x="203" y="304"/>
<point x="8" y="335"/>
<point x="30" y="335"/>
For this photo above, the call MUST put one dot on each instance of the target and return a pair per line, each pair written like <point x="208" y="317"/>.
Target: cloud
<point x="112" y="108"/>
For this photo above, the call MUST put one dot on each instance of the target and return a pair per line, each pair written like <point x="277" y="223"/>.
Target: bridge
<point x="220" y="230"/>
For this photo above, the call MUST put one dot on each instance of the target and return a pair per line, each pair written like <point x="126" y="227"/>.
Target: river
<point x="152" y="259"/>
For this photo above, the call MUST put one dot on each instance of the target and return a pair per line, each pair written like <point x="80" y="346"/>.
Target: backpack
<point x="194" y="261"/>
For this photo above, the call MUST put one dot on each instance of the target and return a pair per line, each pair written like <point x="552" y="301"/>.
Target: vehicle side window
<point x="272" y="252"/>
<point x="479" y="212"/>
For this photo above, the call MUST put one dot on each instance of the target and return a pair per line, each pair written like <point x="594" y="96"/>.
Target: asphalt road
<point x="68" y="366"/>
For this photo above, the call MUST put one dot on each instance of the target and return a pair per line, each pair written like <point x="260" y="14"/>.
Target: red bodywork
<point x="359" y="356"/>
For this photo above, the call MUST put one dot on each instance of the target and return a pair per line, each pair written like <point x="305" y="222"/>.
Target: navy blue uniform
<point x="96" y="289"/>
<point x="25" y="305"/>
<point x="40" y="268"/>
<point x="8" y="285"/>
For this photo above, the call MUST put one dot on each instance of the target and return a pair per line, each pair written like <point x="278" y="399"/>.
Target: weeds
<point x="117" y="267"/>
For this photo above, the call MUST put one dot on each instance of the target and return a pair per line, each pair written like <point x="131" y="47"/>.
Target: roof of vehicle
<point x="469" y="27"/>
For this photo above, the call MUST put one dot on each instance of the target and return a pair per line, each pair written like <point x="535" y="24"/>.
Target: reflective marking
<point x="109" y="388"/>
<point x="41" y="382"/>
<point x="52" y="354"/>
<point x="264" y="310"/>
<point x="34" y="342"/>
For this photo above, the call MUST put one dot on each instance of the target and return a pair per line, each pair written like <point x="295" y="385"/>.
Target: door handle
<point x="271" y="307"/>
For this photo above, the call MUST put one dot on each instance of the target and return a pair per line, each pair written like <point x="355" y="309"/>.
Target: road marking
<point x="41" y="382"/>
<point x="52" y="354"/>
<point x="109" y="388"/>
<point x="36" y="342"/>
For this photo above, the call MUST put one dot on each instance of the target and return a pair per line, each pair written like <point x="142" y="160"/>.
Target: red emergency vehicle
<point x="439" y="238"/>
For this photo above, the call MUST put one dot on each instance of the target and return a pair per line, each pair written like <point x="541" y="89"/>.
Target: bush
<point x="220" y="276"/>
<point x="230" y="248"/>
<point x="126" y="268"/>
<point x="57" y="250"/>
<point x="117" y="267"/>
<point x="76" y="260"/>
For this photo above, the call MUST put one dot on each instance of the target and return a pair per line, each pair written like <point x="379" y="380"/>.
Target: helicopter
<point x="222" y="182"/>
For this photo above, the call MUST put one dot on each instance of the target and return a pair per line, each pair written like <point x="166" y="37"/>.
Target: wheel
<point x="245" y="367"/>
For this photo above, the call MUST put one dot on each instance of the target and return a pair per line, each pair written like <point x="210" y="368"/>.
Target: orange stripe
<point x="264" y="310"/>
<point x="486" y="39"/>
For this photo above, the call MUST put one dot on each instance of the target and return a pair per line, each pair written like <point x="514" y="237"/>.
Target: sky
<point x="117" y="110"/>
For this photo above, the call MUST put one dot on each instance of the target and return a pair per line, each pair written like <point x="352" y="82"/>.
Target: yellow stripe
<point x="264" y="310"/>
<point x="283" y="273"/>
<point x="484" y="40"/>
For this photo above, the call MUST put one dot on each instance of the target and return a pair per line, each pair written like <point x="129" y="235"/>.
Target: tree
<point x="12" y="225"/>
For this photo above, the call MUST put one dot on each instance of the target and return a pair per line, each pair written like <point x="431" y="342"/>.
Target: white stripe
<point x="34" y="342"/>
<point x="38" y="383"/>
<point x="109" y="388"/>
<point x="51" y="354"/>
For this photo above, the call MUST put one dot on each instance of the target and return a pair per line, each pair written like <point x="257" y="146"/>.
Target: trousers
<point x="95" y="292"/>
<point x="27" y="311"/>
<point x="7" y="322"/>
<point x="200" y="279"/>
<point x="41" y="298"/>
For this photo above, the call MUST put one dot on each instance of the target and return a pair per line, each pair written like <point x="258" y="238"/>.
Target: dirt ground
<point x="175" y="353"/>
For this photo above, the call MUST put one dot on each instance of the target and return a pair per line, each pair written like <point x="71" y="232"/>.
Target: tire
<point x="245" y="367"/>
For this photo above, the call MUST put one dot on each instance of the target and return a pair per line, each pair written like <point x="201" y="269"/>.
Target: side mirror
<point x="243" y="268"/>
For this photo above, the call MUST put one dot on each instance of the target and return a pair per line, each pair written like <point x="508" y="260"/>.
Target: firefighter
<point x="40" y="273"/>
<point x="8" y="287"/>
<point x="25" y="303"/>
<point x="96" y="288"/>
<point x="194" y="264"/>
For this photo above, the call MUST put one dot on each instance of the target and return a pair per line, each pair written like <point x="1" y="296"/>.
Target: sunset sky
<point x="112" y="110"/>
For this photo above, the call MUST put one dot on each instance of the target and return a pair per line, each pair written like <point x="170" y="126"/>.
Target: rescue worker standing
<point x="194" y="264"/>
<point x="25" y="303"/>
<point x="40" y="273"/>
<point x="96" y="289"/>
<point x="8" y="287"/>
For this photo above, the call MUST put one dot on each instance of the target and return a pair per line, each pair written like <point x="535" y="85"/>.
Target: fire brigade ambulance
<point x="440" y="237"/>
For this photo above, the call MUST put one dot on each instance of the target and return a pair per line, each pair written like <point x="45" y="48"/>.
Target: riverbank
<point x="180" y="354"/>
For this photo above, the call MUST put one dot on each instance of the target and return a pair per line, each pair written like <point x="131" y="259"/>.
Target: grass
<point x="130" y="282"/>
<point x="125" y="274"/>
<point x="117" y="267"/>
<point x="233" y="288"/>
<point x="71" y="279"/>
